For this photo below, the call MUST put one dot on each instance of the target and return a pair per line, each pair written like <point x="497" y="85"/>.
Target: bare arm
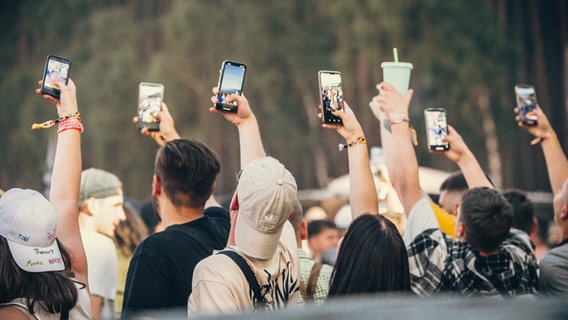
<point x="465" y="159"/>
<point x="65" y="182"/>
<point x="556" y="162"/>
<point x="249" y="133"/>
<point x="362" y="190"/>
<point x="399" y="152"/>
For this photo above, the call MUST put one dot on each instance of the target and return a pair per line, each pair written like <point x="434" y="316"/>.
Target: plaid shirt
<point x="438" y="263"/>
<point x="323" y="282"/>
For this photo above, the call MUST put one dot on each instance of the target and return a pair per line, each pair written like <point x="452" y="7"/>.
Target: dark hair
<point x="487" y="218"/>
<point x="372" y="258"/>
<point x="523" y="210"/>
<point x="454" y="182"/>
<point x="131" y="231"/>
<point x="317" y="226"/>
<point x="187" y="170"/>
<point x="54" y="291"/>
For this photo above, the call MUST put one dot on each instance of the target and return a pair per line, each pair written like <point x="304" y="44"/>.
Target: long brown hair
<point x="372" y="259"/>
<point x="54" y="291"/>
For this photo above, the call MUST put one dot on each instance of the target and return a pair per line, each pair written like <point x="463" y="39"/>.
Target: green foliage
<point x="455" y="46"/>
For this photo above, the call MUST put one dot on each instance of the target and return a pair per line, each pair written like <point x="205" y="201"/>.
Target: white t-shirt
<point x="102" y="262"/>
<point x="421" y="217"/>
<point x="220" y="287"/>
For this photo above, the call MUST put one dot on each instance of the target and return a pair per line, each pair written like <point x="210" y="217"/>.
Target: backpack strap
<point x="258" y="301"/>
<point x="310" y="289"/>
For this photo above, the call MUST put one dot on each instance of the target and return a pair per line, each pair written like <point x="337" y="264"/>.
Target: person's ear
<point x="460" y="230"/>
<point x="564" y="212"/>
<point x="90" y="206"/>
<point x="534" y="226"/>
<point x="304" y="230"/>
<point x="456" y="208"/>
<point x="156" y="186"/>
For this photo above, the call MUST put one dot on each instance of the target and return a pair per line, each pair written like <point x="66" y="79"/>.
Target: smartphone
<point x="436" y="128"/>
<point x="232" y="80"/>
<point x="56" y="68"/>
<point x="526" y="102"/>
<point x="150" y="97"/>
<point x="331" y="95"/>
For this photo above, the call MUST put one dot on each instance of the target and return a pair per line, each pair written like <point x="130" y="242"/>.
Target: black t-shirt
<point x="161" y="269"/>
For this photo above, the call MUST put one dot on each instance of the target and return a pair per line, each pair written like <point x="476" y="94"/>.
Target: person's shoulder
<point x="518" y="239"/>
<point x="214" y="266"/>
<point x="557" y="255"/>
<point x="216" y="212"/>
<point x="96" y="240"/>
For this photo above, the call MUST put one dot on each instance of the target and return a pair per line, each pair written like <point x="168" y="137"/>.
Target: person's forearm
<point x="250" y="141"/>
<point x="556" y="162"/>
<point x="472" y="172"/>
<point x="404" y="165"/>
<point x="362" y="190"/>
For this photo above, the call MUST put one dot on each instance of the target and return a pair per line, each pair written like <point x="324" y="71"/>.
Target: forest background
<point x="467" y="57"/>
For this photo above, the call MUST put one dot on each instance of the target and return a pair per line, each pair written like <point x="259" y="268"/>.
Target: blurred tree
<point x="467" y="57"/>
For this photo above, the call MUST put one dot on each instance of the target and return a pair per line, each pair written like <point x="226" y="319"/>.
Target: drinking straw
<point x="395" y="52"/>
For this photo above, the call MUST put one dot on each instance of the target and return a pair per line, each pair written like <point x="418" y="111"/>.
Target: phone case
<point x="150" y="97"/>
<point x="436" y="128"/>
<point x="56" y="68"/>
<point x="526" y="102"/>
<point x="331" y="95"/>
<point x="231" y="80"/>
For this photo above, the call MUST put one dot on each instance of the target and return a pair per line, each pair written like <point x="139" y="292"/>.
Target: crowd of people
<point x="63" y="257"/>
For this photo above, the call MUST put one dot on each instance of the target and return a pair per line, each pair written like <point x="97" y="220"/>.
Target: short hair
<point x="187" y="169"/>
<point x="523" y="209"/>
<point x="454" y="182"/>
<point x="372" y="258"/>
<point x="297" y="216"/>
<point x="317" y="226"/>
<point x="487" y="218"/>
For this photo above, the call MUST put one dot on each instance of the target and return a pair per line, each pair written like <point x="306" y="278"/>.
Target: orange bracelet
<point x="538" y="140"/>
<point x="359" y="140"/>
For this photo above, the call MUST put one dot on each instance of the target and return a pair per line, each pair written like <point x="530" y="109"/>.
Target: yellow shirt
<point x="446" y="221"/>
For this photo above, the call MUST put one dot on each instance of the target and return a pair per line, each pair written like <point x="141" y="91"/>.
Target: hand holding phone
<point x="331" y="95"/>
<point x="56" y="69"/>
<point x="526" y="102"/>
<point x="436" y="129"/>
<point x="150" y="97"/>
<point x="231" y="81"/>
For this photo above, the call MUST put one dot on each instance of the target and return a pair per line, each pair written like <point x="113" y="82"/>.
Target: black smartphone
<point x="526" y="102"/>
<point x="56" y="68"/>
<point x="150" y="97"/>
<point x="331" y="95"/>
<point x="436" y="128"/>
<point x="232" y="80"/>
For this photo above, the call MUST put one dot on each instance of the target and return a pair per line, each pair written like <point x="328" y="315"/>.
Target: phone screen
<point x="437" y="128"/>
<point x="331" y="94"/>
<point x="526" y="102"/>
<point x="150" y="96"/>
<point x="231" y="81"/>
<point x="56" y="69"/>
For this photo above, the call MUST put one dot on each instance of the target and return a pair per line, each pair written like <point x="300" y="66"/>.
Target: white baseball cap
<point x="266" y="193"/>
<point x="28" y="221"/>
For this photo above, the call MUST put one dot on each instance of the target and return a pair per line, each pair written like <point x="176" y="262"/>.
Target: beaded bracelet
<point x="70" y="123"/>
<point x="51" y="123"/>
<point x="359" y="140"/>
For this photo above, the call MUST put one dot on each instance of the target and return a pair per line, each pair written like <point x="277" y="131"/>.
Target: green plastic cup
<point x="398" y="75"/>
